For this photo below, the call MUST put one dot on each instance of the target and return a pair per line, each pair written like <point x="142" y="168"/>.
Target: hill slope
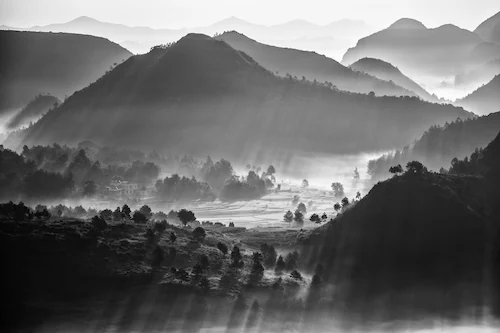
<point x="439" y="145"/>
<point x="485" y="99"/>
<point x="479" y="75"/>
<point x="200" y="95"/>
<point x="416" y="50"/>
<point x="312" y="66"/>
<point x="33" y="111"/>
<point x="385" y="71"/>
<point x="490" y="29"/>
<point x="38" y="63"/>
<point x="421" y="240"/>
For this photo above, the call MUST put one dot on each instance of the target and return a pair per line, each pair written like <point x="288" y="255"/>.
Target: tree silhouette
<point x="338" y="189"/>
<point x="186" y="216"/>
<point x="302" y="208"/>
<point x="396" y="169"/>
<point x="415" y="167"/>
<point x="288" y="217"/>
<point x="298" y="216"/>
<point x="315" y="218"/>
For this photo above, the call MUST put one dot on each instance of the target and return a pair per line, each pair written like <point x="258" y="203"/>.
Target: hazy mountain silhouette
<point x="490" y="29"/>
<point x="38" y="63"/>
<point x="485" y="99"/>
<point x="33" y="111"/>
<point x="335" y="37"/>
<point x="410" y="46"/>
<point x="200" y="95"/>
<point x="385" y="71"/>
<point x="311" y="65"/>
<point x="440" y="144"/>
<point x="479" y="75"/>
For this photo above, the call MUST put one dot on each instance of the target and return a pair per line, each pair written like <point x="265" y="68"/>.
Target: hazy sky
<point x="188" y="13"/>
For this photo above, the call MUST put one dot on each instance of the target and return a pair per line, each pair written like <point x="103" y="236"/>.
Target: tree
<point x="295" y="200"/>
<point x="126" y="211"/>
<point x="355" y="174"/>
<point x="89" y="188"/>
<point x="199" y="234"/>
<point x="222" y="248"/>
<point x="139" y="217"/>
<point x="324" y="217"/>
<point x="337" y="207"/>
<point x="269" y="254"/>
<point x="288" y="217"/>
<point x="345" y="202"/>
<point x="305" y="183"/>
<point x="236" y="257"/>
<point x="315" y="218"/>
<point x="106" y="214"/>
<point x="146" y="211"/>
<point x="296" y="275"/>
<point x="280" y="265"/>
<point x="302" y="208"/>
<point x="59" y="213"/>
<point x="338" y="189"/>
<point x="172" y="237"/>
<point x="186" y="216"/>
<point x="271" y="170"/>
<point x="298" y="216"/>
<point x="415" y="167"/>
<point x="117" y="214"/>
<point x="358" y="195"/>
<point x="99" y="223"/>
<point x="292" y="260"/>
<point x="396" y="169"/>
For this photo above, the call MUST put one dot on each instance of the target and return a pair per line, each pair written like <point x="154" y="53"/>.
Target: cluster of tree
<point x="19" y="178"/>
<point x="249" y="188"/>
<point x="76" y="161"/>
<point x="287" y="264"/>
<point x="176" y="188"/>
<point x="470" y="166"/>
<point x="216" y="174"/>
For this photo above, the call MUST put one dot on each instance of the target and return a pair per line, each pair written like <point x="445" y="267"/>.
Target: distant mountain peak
<point x="407" y="23"/>
<point x="84" y="19"/>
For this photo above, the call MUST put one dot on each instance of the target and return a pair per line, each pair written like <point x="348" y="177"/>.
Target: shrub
<point x="99" y="223"/>
<point x="199" y="234"/>
<point x="296" y="275"/>
<point x="222" y="248"/>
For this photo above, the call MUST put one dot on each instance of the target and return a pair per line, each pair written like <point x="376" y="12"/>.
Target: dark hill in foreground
<point x="200" y="95"/>
<point x="423" y="240"/>
<point x="33" y="63"/>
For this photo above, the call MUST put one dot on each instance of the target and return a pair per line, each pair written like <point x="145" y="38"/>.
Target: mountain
<point x="479" y="75"/>
<point x="312" y="66"/>
<point x="423" y="240"/>
<point x="417" y="50"/>
<point x="33" y="111"/>
<point x="485" y="99"/>
<point x="200" y="95"/>
<point x="440" y="144"/>
<point x="385" y="71"/>
<point x="332" y="39"/>
<point x="57" y="63"/>
<point x="490" y="29"/>
<point x="117" y="33"/>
